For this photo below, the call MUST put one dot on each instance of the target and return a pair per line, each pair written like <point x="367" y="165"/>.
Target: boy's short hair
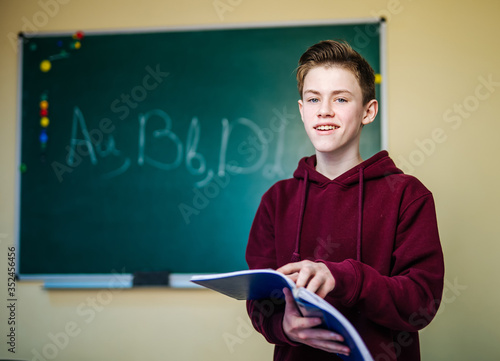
<point x="341" y="54"/>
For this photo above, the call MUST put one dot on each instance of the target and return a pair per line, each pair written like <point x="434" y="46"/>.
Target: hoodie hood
<point x="376" y="167"/>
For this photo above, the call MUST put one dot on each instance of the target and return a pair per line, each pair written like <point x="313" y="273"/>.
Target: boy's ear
<point x="371" y="110"/>
<point x="301" y="109"/>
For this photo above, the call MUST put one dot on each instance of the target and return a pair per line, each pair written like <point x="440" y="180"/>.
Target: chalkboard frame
<point x="120" y="279"/>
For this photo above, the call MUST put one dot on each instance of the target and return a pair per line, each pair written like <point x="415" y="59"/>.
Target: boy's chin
<point x="325" y="148"/>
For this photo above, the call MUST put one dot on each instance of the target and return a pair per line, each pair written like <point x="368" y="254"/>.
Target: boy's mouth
<point x="326" y="127"/>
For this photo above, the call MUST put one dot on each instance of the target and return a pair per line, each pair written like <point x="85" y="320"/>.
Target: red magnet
<point x="78" y="35"/>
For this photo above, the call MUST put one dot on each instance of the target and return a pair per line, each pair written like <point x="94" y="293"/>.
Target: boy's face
<point x="332" y="110"/>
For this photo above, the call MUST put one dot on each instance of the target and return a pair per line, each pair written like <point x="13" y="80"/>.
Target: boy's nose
<point x="326" y="110"/>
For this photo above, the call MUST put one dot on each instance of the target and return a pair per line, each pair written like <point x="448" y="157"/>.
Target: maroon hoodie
<point x="375" y="229"/>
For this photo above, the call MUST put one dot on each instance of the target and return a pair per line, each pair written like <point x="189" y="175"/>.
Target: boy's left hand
<point x="314" y="276"/>
<point x="302" y="329"/>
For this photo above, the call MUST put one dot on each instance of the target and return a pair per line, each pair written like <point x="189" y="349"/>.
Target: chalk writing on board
<point x="100" y="143"/>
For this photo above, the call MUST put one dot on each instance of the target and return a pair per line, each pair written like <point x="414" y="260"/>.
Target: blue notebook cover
<point x="247" y="285"/>
<point x="260" y="284"/>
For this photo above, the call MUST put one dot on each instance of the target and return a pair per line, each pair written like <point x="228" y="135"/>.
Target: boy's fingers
<point x="290" y="268"/>
<point x="288" y="295"/>
<point x="298" y="272"/>
<point x="293" y="276"/>
<point x="291" y="307"/>
<point x="290" y="302"/>
<point x="304" y="278"/>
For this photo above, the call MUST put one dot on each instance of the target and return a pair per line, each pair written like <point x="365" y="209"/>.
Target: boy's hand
<point x="300" y="329"/>
<point x="314" y="276"/>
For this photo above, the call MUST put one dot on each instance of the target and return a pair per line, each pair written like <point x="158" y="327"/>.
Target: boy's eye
<point x="341" y="100"/>
<point x="313" y="100"/>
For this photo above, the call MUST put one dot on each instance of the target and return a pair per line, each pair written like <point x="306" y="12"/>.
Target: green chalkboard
<point x="159" y="144"/>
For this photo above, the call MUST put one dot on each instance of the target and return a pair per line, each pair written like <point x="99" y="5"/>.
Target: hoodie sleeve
<point x="408" y="298"/>
<point x="266" y="315"/>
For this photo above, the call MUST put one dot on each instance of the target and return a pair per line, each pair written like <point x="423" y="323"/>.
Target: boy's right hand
<point x="315" y="276"/>
<point x="301" y="329"/>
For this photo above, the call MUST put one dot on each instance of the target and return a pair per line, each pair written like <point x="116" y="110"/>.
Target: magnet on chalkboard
<point x="45" y="65"/>
<point x="43" y="137"/>
<point x="44" y="122"/>
<point x="76" y="45"/>
<point x="78" y="35"/>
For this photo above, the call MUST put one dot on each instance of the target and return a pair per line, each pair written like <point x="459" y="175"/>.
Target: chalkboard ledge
<point x="101" y="281"/>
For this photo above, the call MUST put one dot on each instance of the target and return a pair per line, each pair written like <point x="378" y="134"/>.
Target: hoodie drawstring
<point x="305" y="184"/>
<point x="360" y="214"/>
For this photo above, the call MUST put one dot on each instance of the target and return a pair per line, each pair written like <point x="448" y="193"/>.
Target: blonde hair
<point x="341" y="54"/>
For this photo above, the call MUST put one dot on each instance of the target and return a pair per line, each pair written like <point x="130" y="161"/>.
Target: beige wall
<point x="438" y="54"/>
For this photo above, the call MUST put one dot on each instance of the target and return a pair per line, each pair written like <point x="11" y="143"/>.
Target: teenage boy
<point x="360" y="234"/>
